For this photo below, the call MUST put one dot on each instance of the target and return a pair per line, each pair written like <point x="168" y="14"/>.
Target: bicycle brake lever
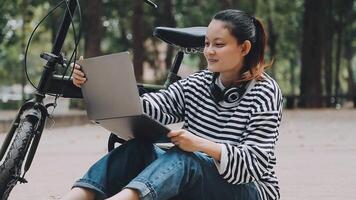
<point x="50" y="57"/>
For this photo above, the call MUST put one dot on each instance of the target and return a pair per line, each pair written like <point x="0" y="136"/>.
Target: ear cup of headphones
<point x="231" y="95"/>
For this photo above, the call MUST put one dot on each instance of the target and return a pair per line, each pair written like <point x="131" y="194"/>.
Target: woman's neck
<point x="228" y="78"/>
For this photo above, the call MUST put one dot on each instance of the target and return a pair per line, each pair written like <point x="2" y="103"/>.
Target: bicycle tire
<point x="10" y="169"/>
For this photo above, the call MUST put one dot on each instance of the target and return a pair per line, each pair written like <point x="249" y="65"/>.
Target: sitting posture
<point x="231" y="114"/>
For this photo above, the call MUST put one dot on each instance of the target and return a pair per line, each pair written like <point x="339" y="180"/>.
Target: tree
<point x="168" y="20"/>
<point x="343" y="11"/>
<point x="8" y="39"/>
<point x="349" y="52"/>
<point x="113" y="26"/>
<point x="93" y="35"/>
<point x="328" y="49"/>
<point x="310" y="86"/>
<point x="272" y="35"/>
<point x="229" y="4"/>
<point x="137" y="38"/>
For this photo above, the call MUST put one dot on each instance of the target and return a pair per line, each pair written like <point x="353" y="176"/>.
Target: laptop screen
<point x="110" y="90"/>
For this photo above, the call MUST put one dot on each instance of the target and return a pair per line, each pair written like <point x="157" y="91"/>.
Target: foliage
<point x="286" y="17"/>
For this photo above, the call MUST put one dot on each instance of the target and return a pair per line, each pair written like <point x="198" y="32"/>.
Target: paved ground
<point x="316" y="157"/>
<point x="62" y="119"/>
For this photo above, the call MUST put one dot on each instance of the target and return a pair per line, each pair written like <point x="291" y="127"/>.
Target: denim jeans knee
<point x="112" y="172"/>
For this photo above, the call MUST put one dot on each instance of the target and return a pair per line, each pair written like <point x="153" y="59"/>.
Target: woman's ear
<point x="245" y="47"/>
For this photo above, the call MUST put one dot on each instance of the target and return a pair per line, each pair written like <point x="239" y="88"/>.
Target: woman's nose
<point x="209" y="50"/>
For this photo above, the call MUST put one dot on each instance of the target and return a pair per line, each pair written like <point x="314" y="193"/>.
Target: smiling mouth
<point x="213" y="60"/>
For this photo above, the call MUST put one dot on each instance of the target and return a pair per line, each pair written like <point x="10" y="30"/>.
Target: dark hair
<point x="245" y="27"/>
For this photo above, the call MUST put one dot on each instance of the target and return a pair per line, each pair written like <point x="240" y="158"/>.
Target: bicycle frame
<point x="31" y="117"/>
<point x="34" y="110"/>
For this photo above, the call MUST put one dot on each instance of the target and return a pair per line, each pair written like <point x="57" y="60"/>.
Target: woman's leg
<point x="112" y="172"/>
<point x="126" y="194"/>
<point x="189" y="176"/>
<point x="79" y="194"/>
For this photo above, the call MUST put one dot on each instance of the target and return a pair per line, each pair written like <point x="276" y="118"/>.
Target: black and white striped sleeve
<point x="165" y="106"/>
<point x="253" y="158"/>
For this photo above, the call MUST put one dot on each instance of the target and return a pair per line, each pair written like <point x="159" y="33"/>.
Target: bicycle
<point x="21" y="142"/>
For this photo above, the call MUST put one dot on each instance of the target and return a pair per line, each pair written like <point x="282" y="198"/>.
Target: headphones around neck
<point x="229" y="95"/>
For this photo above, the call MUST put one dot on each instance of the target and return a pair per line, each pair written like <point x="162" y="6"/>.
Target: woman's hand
<point x="185" y="140"/>
<point x="78" y="75"/>
<point x="191" y="143"/>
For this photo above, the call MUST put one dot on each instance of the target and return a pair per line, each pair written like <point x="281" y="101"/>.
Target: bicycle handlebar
<point x="72" y="91"/>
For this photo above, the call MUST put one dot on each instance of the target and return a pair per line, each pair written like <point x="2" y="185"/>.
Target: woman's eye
<point x="219" y="44"/>
<point x="207" y="44"/>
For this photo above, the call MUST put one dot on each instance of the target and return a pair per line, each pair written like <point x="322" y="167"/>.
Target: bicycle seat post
<point x="173" y="73"/>
<point x="188" y="40"/>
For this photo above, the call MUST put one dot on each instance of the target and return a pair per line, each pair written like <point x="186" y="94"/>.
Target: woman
<point x="231" y="114"/>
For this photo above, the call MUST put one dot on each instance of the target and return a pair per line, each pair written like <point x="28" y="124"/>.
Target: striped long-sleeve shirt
<point x="248" y="130"/>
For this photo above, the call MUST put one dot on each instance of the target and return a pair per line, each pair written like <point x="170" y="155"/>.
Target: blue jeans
<point x="156" y="174"/>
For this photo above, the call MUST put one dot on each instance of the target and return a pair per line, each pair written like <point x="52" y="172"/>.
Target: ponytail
<point x="254" y="60"/>
<point x="260" y="41"/>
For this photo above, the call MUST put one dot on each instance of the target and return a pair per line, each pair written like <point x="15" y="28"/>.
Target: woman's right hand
<point x="78" y="75"/>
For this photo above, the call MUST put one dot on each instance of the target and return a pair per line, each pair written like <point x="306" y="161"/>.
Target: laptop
<point x="112" y="99"/>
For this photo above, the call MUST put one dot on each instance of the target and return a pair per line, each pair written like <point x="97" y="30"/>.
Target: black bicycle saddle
<point x="192" y="37"/>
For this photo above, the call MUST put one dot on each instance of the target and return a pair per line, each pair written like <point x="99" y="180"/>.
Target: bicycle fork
<point x="37" y="114"/>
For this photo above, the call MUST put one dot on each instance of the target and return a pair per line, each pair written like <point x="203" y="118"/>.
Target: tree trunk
<point x="328" y="50"/>
<point x="272" y="42"/>
<point x="225" y="4"/>
<point x="351" y="80"/>
<point x="123" y="41"/>
<point x="291" y="97"/>
<point x="124" y="25"/>
<point x="55" y="20"/>
<point x="272" y="35"/>
<point x="229" y="4"/>
<point x="344" y="19"/>
<point x="137" y="38"/>
<point x="94" y="28"/>
<point x="349" y="37"/>
<point x="310" y="87"/>
<point x="168" y="20"/>
<point x="293" y="65"/>
<point x="339" y="36"/>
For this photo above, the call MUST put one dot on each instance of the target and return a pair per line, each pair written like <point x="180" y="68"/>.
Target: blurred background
<point x="312" y="43"/>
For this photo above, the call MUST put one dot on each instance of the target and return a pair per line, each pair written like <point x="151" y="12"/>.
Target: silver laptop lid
<point x="110" y="90"/>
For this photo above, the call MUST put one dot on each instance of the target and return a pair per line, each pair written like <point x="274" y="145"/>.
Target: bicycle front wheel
<point x="10" y="168"/>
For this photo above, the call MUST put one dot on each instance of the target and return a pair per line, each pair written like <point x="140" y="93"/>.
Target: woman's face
<point x="222" y="50"/>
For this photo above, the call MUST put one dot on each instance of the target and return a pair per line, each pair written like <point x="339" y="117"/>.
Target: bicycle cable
<point x="30" y="39"/>
<point x="74" y="53"/>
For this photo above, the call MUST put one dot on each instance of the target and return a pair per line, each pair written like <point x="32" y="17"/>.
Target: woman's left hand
<point x="185" y="140"/>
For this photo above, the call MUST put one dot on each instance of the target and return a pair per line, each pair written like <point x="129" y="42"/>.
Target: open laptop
<point x="112" y="99"/>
